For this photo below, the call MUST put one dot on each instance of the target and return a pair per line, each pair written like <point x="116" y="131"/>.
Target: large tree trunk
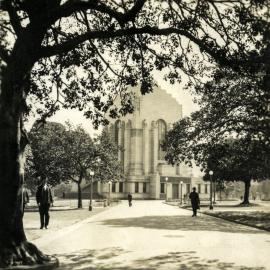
<point x="14" y="247"/>
<point x="246" y="193"/>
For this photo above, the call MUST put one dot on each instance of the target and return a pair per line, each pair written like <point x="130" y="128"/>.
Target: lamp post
<point x="181" y="192"/>
<point x="166" y="179"/>
<point x="211" y="190"/>
<point x="214" y="187"/>
<point x="91" y="190"/>
<point x="109" y="197"/>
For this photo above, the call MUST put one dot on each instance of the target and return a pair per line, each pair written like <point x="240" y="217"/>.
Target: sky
<point x="76" y="117"/>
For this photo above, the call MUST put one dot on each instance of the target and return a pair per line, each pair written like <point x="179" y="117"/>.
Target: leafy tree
<point x="239" y="159"/>
<point x="30" y="175"/>
<point x="109" y="168"/>
<point x="79" y="155"/>
<point x="230" y="103"/>
<point x="88" y="52"/>
<point x="66" y="154"/>
<point x="47" y="152"/>
<point x="82" y="154"/>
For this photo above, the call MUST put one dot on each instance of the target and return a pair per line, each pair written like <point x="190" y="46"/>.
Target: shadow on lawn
<point x="257" y="219"/>
<point x="180" y="223"/>
<point x="101" y="259"/>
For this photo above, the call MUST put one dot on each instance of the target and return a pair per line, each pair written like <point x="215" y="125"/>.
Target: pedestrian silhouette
<point x="44" y="201"/>
<point x="129" y="199"/>
<point x="195" y="201"/>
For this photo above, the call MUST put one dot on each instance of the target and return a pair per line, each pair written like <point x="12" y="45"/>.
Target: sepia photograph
<point x="135" y="134"/>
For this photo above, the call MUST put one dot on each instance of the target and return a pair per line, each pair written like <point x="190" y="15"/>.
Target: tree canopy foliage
<point x="45" y="158"/>
<point x="67" y="154"/>
<point x="85" y="53"/>
<point x="238" y="160"/>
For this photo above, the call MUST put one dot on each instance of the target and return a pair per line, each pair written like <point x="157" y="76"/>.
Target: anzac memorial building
<point x="148" y="176"/>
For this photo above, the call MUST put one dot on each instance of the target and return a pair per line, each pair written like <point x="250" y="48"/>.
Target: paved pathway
<point x="152" y="235"/>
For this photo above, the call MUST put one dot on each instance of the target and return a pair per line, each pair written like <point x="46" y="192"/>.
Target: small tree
<point x="47" y="153"/>
<point x="64" y="154"/>
<point x="82" y="154"/>
<point x="79" y="155"/>
<point x="110" y="168"/>
<point x="238" y="160"/>
<point x="30" y="174"/>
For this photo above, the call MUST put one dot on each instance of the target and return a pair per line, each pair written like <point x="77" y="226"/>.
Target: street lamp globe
<point x="181" y="182"/>
<point x="166" y="179"/>
<point x="91" y="173"/>
<point x="211" y="190"/>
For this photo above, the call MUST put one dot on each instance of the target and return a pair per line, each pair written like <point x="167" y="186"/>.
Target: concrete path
<point x="152" y="235"/>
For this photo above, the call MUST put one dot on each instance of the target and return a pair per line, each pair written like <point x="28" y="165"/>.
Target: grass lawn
<point x="58" y="219"/>
<point x="256" y="214"/>
<point x="259" y="219"/>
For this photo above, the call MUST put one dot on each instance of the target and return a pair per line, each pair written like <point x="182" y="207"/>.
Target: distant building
<point x="146" y="171"/>
<point x="140" y="135"/>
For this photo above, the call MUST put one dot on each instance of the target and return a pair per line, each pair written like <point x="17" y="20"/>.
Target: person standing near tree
<point x="195" y="201"/>
<point x="25" y="198"/>
<point x="44" y="201"/>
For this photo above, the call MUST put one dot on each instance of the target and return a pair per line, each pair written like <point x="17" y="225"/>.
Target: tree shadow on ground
<point x="257" y="219"/>
<point x="181" y="223"/>
<point x="108" y="259"/>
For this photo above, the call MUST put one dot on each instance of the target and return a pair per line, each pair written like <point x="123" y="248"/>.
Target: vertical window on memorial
<point x="206" y="189"/>
<point x="199" y="188"/>
<point x="136" y="187"/>
<point x="161" y="136"/>
<point x="144" y="187"/>
<point x="188" y="188"/>
<point x="121" y="187"/>
<point x="162" y="188"/>
<point x="113" y="187"/>
<point x="116" y="132"/>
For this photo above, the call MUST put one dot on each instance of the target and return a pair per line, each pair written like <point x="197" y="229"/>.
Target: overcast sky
<point x="76" y="117"/>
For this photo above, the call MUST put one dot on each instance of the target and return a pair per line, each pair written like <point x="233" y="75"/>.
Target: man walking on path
<point x="195" y="201"/>
<point x="129" y="199"/>
<point x="44" y="201"/>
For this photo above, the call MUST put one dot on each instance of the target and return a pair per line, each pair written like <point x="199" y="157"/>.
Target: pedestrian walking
<point x="25" y="198"/>
<point x="44" y="201"/>
<point x="129" y="199"/>
<point x="185" y="198"/>
<point x="195" y="201"/>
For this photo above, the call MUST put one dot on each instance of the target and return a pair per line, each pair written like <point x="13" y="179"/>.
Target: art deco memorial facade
<point x="140" y="134"/>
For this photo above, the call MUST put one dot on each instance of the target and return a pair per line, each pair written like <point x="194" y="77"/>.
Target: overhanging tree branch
<point x="72" y="6"/>
<point x="69" y="45"/>
<point x="14" y="18"/>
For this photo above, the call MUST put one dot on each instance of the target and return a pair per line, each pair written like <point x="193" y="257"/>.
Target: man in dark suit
<point x="195" y="201"/>
<point x="44" y="201"/>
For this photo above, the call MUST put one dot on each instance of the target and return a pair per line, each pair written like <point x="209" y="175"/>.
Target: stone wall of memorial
<point x="139" y="134"/>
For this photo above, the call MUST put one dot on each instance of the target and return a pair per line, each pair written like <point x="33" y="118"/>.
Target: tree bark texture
<point x="79" y="195"/>
<point x="14" y="247"/>
<point x="246" y="193"/>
